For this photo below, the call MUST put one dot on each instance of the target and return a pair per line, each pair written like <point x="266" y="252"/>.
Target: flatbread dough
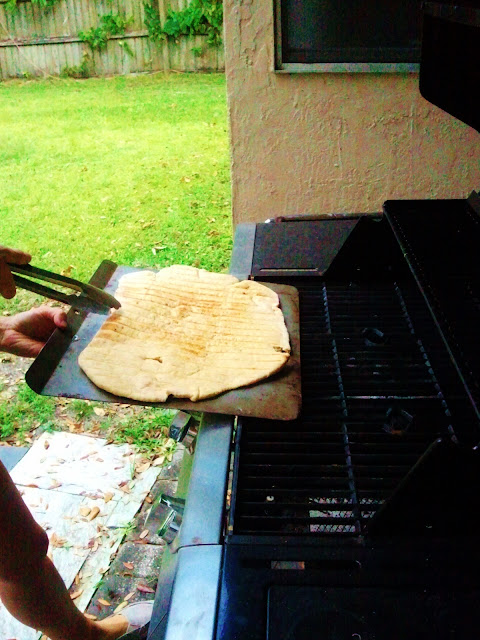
<point x="187" y="333"/>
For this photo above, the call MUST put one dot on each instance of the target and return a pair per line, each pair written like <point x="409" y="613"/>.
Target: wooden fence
<point x="37" y="41"/>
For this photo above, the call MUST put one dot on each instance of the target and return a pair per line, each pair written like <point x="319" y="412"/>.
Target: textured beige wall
<point x="322" y="143"/>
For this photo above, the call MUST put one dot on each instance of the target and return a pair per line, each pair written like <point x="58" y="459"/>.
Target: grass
<point x="24" y="412"/>
<point x="27" y="413"/>
<point x="147" y="431"/>
<point x="131" y="169"/>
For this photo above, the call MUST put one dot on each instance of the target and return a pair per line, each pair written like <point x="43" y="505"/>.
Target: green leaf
<point x="201" y="17"/>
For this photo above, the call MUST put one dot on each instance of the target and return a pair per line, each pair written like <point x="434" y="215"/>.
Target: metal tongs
<point x="88" y="298"/>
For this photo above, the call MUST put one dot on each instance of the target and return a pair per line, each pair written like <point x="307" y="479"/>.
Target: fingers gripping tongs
<point x="87" y="299"/>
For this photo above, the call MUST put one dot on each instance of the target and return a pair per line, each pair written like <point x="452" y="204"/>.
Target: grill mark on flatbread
<point x="189" y="333"/>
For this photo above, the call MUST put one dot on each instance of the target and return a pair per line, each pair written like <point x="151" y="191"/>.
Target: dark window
<point x="352" y="31"/>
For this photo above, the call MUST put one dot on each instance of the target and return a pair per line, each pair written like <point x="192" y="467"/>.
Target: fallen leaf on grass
<point x="128" y="565"/>
<point x="74" y="427"/>
<point x="144" y="534"/>
<point x="104" y="602"/>
<point x="99" y="411"/>
<point x="141" y="468"/>
<point x="68" y="271"/>
<point x="143" y="588"/>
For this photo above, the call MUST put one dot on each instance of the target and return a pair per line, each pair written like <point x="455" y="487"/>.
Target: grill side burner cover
<point x="303" y="248"/>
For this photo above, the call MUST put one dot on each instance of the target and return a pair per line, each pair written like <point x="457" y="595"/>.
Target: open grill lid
<point x="450" y="58"/>
<point x="440" y="242"/>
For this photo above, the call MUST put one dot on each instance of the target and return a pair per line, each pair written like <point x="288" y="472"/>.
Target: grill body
<point x="358" y="519"/>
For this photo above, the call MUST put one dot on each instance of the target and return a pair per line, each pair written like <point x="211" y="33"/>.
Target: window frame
<point x="330" y="67"/>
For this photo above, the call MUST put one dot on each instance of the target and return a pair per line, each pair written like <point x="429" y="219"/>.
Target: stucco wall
<point x="322" y="143"/>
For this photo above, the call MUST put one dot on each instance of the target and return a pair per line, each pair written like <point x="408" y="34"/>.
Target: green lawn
<point x="133" y="169"/>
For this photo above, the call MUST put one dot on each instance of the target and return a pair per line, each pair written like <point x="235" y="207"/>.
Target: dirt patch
<point x="12" y="368"/>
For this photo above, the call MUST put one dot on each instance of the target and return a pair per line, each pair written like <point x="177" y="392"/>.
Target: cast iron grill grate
<point x="371" y="407"/>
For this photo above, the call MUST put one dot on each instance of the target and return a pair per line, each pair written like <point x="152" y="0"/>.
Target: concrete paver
<point x="137" y="562"/>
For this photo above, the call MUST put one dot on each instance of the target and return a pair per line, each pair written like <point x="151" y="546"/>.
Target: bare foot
<point x="113" y="627"/>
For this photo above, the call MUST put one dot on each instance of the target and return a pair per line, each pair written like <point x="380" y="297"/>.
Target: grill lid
<point x="440" y="241"/>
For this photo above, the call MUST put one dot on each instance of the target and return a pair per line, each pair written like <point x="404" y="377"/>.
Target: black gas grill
<point x="357" y="520"/>
<point x="379" y="382"/>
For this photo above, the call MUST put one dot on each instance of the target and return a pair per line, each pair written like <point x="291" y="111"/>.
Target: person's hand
<point x="24" y="334"/>
<point x="7" y="285"/>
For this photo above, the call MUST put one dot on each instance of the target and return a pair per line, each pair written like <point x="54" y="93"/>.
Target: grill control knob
<point x="184" y="429"/>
